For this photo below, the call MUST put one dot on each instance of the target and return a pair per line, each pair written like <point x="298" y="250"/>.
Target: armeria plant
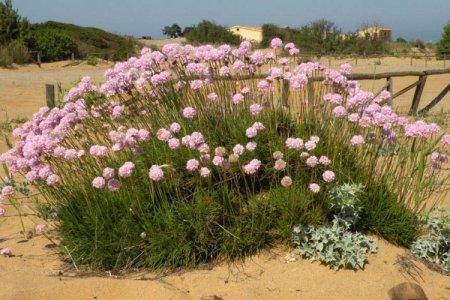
<point x="190" y="154"/>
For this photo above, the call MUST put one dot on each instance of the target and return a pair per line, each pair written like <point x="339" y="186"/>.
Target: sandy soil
<point x="36" y="271"/>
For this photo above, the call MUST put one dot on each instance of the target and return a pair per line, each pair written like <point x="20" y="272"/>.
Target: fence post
<point x="285" y="93"/>
<point x="50" y="95"/>
<point x="417" y="95"/>
<point x="445" y="58"/>
<point x="39" y="59"/>
<point x="390" y="89"/>
<point x="72" y="56"/>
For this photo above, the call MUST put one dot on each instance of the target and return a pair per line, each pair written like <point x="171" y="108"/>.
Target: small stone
<point x="289" y="258"/>
<point x="407" y="291"/>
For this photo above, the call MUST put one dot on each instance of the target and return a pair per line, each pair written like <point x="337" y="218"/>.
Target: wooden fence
<point x="388" y="76"/>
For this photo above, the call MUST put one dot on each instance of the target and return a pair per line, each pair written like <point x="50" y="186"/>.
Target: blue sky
<point x="407" y="18"/>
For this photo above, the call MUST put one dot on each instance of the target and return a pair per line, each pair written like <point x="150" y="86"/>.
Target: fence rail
<point x="414" y="109"/>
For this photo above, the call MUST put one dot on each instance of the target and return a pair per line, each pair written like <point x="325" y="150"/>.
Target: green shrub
<point x="90" y="40"/>
<point x="209" y="32"/>
<point x="52" y="45"/>
<point x="15" y="52"/>
<point x="387" y="217"/>
<point x="92" y="60"/>
<point x="443" y="46"/>
<point x="270" y="31"/>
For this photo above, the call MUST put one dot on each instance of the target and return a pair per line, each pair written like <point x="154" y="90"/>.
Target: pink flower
<point x="354" y="117"/>
<point x="280" y="165"/>
<point x="446" y="139"/>
<point x="156" y="173"/>
<point x="251" y="146"/>
<point x="324" y="160"/>
<point x="203" y="148"/>
<point x="339" y="111"/>
<point x="314" y="138"/>
<point x="40" y="228"/>
<point x="276" y="43"/>
<point x="294" y="143"/>
<point x="212" y="97"/>
<point x="196" y="84"/>
<point x="189" y="112"/>
<point x="205" y="172"/>
<point x="314" y="187"/>
<point x="118" y="111"/>
<point x="357" y="140"/>
<point x="192" y="164"/>
<point x="286" y="181"/>
<point x="438" y="158"/>
<point x="108" y="173"/>
<point x="98" y="182"/>
<point x="258" y="126"/>
<point x="238" y="149"/>
<point x="251" y="132"/>
<point x="312" y="161"/>
<point x="304" y="154"/>
<point x="218" y="161"/>
<point x="277" y="155"/>
<point x="98" y="151"/>
<point x="328" y="176"/>
<point x="143" y="135"/>
<point x="252" y="167"/>
<point x="175" y="127"/>
<point x="8" y="191"/>
<point x="289" y="46"/>
<point x="238" y="98"/>
<point x="163" y="134"/>
<point x="310" y="145"/>
<point x="2" y="212"/>
<point x="174" y="143"/>
<point x="345" y="68"/>
<point x="52" y="180"/>
<point x="255" y="109"/>
<point x="113" y="185"/>
<point x="126" y="169"/>
<point x="7" y="251"/>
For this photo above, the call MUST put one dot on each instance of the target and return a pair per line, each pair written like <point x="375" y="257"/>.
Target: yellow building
<point x="249" y="33"/>
<point x="376" y="32"/>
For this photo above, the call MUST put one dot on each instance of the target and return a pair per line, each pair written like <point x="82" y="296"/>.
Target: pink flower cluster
<point x="40" y="137"/>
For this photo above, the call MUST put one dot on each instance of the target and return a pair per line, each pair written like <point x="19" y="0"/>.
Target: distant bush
<point x="323" y="37"/>
<point x="443" y="46"/>
<point x="53" y="45"/>
<point x="418" y="44"/>
<point x="209" y="32"/>
<point x="270" y="31"/>
<point x="319" y="36"/>
<point x="14" y="52"/>
<point x="89" y="40"/>
<point x="92" y="60"/>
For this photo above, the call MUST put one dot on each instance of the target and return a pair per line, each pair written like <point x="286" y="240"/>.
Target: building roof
<point x="372" y="28"/>
<point x="248" y="27"/>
